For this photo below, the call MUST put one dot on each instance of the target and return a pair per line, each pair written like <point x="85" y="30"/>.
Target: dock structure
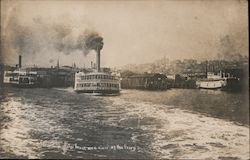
<point x="145" y="81"/>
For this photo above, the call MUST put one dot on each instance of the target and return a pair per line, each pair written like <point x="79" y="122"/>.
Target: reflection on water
<point x="58" y="123"/>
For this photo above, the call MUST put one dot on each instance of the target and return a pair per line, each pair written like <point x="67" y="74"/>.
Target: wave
<point x="178" y="133"/>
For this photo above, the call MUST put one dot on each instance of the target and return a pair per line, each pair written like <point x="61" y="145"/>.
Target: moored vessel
<point x="20" y="78"/>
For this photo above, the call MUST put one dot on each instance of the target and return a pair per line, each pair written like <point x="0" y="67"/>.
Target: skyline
<point x="134" y="32"/>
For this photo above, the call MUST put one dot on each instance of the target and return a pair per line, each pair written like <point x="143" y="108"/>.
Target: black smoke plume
<point x="42" y="38"/>
<point x="93" y="42"/>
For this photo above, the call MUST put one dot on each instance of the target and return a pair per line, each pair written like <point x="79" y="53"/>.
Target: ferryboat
<point x="20" y="78"/>
<point x="97" y="83"/>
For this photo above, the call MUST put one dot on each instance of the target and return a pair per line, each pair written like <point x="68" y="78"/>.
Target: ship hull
<point x="217" y="84"/>
<point x="99" y="92"/>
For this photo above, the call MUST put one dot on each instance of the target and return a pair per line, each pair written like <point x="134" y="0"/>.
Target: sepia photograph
<point x="124" y="79"/>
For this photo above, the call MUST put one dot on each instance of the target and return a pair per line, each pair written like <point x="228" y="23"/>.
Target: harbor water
<point x="176" y="123"/>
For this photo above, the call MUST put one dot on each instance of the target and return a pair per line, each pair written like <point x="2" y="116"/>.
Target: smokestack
<point x="98" y="57"/>
<point x="20" y="61"/>
<point x="94" y="42"/>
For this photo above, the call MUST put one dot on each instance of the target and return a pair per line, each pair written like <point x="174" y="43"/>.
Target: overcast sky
<point x="132" y="31"/>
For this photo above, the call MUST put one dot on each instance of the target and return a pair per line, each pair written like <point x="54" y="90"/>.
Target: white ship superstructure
<point x="212" y="82"/>
<point x="97" y="83"/>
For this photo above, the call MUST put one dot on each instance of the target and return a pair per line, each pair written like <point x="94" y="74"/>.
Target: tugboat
<point x="97" y="82"/>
